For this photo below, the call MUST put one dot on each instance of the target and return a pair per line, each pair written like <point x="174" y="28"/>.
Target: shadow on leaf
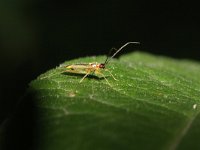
<point x="90" y="76"/>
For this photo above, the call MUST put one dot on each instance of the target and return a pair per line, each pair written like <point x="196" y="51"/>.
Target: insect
<point x="94" y="68"/>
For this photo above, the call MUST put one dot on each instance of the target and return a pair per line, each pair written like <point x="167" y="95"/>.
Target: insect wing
<point x="78" y="68"/>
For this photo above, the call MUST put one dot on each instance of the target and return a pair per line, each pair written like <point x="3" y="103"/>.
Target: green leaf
<point x="153" y="105"/>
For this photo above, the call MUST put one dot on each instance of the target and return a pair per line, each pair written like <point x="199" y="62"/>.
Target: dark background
<point x="36" y="35"/>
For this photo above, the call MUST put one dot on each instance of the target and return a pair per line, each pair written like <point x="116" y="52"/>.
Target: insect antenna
<point x="108" y="55"/>
<point x="109" y="58"/>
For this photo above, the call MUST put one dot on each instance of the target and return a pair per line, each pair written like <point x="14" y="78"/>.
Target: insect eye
<point x="102" y="66"/>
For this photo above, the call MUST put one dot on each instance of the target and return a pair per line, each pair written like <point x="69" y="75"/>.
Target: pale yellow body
<point x="83" y="68"/>
<point x="90" y="68"/>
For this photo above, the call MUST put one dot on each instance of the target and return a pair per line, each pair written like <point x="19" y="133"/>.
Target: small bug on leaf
<point x="94" y="68"/>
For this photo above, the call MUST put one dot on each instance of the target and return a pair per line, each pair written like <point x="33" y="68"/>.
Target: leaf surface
<point x="153" y="105"/>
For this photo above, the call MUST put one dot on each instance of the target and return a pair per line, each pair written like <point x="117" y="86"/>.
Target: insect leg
<point x="111" y="74"/>
<point x="97" y="72"/>
<point x="85" y="76"/>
